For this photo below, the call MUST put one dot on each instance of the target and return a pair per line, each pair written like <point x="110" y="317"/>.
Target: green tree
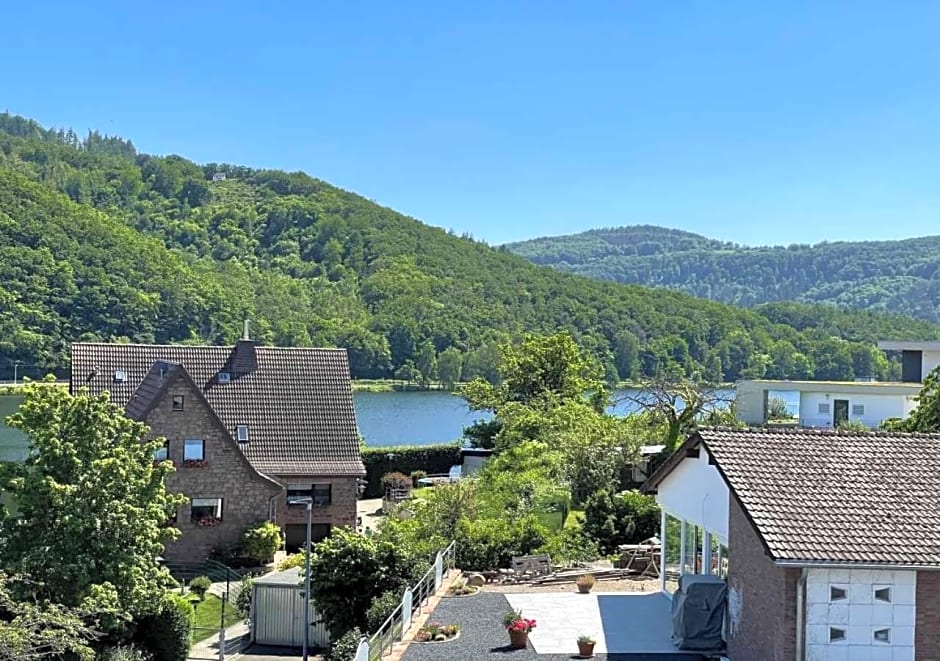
<point x="448" y="367"/>
<point x="33" y="630"/>
<point x="352" y="570"/>
<point x="626" y="355"/>
<point x="926" y="417"/>
<point x="92" y="506"/>
<point x="426" y="363"/>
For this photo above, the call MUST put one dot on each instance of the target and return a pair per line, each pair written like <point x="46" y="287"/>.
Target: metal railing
<point x="415" y="597"/>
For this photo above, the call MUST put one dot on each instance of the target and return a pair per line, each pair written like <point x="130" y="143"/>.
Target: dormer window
<point x="225" y="377"/>
<point x="177" y="402"/>
<point x="242" y="433"/>
<point x="120" y="376"/>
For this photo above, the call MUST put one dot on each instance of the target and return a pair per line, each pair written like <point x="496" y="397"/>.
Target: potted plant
<point x="586" y="646"/>
<point x="518" y="628"/>
<point x="585" y="582"/>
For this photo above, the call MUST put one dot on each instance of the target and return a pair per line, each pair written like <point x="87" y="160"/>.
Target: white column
<point x="662" y="550"/>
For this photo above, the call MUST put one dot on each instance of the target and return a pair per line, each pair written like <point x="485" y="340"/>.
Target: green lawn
<point x="208" y="614"/>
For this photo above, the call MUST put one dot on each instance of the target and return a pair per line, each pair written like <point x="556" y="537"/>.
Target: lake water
<point x="385" y="418"/>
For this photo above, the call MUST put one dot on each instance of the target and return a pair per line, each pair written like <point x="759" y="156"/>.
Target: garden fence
<point x="414" y="598"/>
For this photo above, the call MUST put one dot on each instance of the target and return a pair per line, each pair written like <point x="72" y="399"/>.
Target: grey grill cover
<point x="698" y="610"/>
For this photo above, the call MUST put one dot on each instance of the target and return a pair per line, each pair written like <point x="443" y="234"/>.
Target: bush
<point x="486" y="544"/>
<point x="344" y="649"/>
<point x="852" y="425"/>
<point x="243" y="598"/>
<point x="416" y="476"/>
<point x="570" y="545"/>
<point x="625" y="518"/>
<point x="777" y="409"/>
<point x="434" y="459"/>
<point x="262" y="541"/>
<point x="167" y="633"/>
<point x="396" y="481"/>
<point x="199" y="586"/>
<point x="291" y="561"/>
<point x="123" y="653"/>
<point x="380" y="609"/>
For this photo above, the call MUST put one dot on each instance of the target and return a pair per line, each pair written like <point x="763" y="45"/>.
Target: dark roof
<point x="296" y="402"/>
<point x="825" y="496"/>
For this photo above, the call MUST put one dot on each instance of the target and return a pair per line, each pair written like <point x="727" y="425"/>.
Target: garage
<point x="277" y="610"/>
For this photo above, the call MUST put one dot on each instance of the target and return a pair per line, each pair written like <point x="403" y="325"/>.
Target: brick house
<point x="245" y="426"/>
<point x="830" y="542"/>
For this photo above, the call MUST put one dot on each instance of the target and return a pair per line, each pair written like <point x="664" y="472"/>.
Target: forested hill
<point x="99" y="242"/>
<point x="897" y="276"/>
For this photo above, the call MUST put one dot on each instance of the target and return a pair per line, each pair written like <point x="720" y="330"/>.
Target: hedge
<point x="435" y="459"/>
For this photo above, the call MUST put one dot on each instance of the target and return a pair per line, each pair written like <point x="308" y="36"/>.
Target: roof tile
<point x="296" y="402"/>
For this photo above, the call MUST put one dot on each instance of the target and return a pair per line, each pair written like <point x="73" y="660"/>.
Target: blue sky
<point x="758" y="122"/>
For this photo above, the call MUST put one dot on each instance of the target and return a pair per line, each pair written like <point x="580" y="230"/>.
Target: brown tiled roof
<point x="296" y="402"/>
<point x="826" y="496"/>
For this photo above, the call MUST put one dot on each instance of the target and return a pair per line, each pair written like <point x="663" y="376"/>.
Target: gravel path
<point x="482" y="636"/>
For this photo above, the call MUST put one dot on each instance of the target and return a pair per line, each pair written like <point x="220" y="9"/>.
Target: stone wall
<point x="340" y="512"/>
<point x="246" y="495"/>
<point x="762" y="596"/>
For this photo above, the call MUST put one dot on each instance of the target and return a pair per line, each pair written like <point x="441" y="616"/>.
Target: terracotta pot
<point x="584" y="589"/>
<point x="518" y="639"/>
<point x="586" y="650"/>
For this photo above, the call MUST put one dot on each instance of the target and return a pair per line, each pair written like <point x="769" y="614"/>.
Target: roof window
<point x="242" y="432"/>
<point x="225" y="377"/>
<point x="120" y="376"/>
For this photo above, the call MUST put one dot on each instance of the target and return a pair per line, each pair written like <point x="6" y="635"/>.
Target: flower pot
<point x="584" y="589"/>
<point x="518" y="639"/>
<point x="586" y="650"/>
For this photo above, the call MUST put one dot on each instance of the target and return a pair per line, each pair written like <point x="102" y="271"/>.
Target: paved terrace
<point x="627" y="627"/>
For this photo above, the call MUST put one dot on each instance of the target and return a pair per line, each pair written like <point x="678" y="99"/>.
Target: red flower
<point x="523" y="625"/>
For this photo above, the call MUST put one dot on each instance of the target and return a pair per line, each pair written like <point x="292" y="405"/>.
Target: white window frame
<point x="182" y="402"/>
<point x="241" y="433"/>
<point x="190" y="442"/>
<point x="208" y="502"/>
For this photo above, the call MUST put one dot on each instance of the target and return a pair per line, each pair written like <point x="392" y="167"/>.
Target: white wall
<point x="695" y="491"/>
<point x="877" y="408"/>
<point x="859" y="615"/>
<point x="929" y="360"/>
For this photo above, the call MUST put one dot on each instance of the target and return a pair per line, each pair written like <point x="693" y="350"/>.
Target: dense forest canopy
<point x="894" y="276"/>
<point x="99" y="242"/>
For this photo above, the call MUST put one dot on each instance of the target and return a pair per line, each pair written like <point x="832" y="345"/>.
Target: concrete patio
<point x="622" y="623"/>
<point x="628" y="627"/>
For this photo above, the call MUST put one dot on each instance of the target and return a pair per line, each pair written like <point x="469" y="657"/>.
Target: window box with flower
<point x="209" y="521"/>
<point x="195" y="463"/>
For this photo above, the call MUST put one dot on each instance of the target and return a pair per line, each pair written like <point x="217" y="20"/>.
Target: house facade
<point x="246" y="427"/>
<point x="830" y="542"/>
<point x="826" y="404"/>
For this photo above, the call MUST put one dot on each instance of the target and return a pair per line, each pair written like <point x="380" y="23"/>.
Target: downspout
<point x="801" y="616"/>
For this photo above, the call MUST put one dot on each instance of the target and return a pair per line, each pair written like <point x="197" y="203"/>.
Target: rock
<point x="476" y="580"/>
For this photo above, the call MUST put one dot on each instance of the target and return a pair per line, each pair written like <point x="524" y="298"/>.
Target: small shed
<point x="277" y="612"/>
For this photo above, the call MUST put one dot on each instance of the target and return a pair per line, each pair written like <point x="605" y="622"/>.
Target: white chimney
<point x="245" y="335"/>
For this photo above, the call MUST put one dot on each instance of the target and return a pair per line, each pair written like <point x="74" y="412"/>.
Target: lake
<point x="385" y="418"/>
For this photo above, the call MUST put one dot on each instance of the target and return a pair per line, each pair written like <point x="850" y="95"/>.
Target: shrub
<point x="418" y="475"/>
<point x="262" y="541"/>
<point x="852" y="425"/>
<point x="381" y="608"/>
<point x="243" y="598"/>
<point x="777" y="409"/>
<point x="123" y="653"/>
<point x="625" y="518"/>
<point x="435" y="459"/>
<point x="167" y="633"/>
<point x="490" y="543"/>
<point x="344" y="649"/>
<point x="291" y="561"/>
<point x="396" y="480"/>
<point x="199" y="586"/>
<point x="570" y="545"/>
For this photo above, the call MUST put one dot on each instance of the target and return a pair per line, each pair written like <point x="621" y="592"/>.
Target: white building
<point x="827" y="540"/>
<point x="827" y="403"/>
<point x="918" y="359"/>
